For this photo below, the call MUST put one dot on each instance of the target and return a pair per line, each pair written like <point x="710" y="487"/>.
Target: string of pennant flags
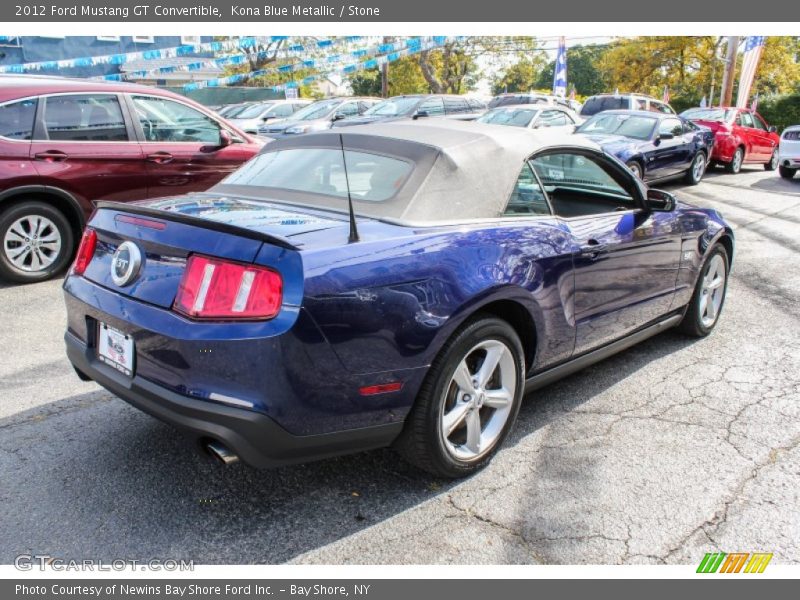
<point x="389" y="52"/>
<point x="177" y="51"/>
<point x="239" y="59"/>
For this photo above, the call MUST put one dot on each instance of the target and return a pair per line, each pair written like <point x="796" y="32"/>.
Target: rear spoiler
<point x="166" y="215"/>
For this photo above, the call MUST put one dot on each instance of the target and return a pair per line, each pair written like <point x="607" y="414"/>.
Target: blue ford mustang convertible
<point x="275" y="325"/>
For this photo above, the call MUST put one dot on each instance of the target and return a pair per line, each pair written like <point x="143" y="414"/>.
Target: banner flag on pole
<point x="753" y="48"/>
<point x="703" y="102"/>
<point x="560" y="74"/>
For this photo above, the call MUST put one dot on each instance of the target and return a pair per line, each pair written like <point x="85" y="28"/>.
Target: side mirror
<point x="665" y="136"/>
<point x="660" y="201"/>
<point x="337" y="117"/>
<point x="420" y="113"/>
<point x="225" y="138"/>
<point x="773" y="129"/>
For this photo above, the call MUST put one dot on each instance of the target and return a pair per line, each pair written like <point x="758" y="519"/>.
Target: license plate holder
<point x="116" y="349"/>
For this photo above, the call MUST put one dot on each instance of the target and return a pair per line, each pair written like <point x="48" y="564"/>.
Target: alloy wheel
<point x="478" y="401"/>
<point x="32" y="243"/>
<point x="713" y="291"/>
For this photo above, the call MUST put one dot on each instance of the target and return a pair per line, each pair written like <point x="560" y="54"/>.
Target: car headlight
<point x="297" y="129"/>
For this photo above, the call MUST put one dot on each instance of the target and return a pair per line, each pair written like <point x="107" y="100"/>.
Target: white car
<point x="532" y="116"/>
<point x="255" y="115"/>
<point x="789" y="152"/>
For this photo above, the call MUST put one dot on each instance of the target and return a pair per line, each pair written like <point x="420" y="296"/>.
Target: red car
<point x="741" y="136"/>
<point x="67" y="142"/>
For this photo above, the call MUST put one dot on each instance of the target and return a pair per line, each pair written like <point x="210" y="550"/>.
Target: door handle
<point x="51" y="156"/>
<point x="593" y="248"/>
<point x="160" y="158"/>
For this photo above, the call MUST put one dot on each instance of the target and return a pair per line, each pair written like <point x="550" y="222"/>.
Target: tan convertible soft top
<point x="462" y="170"/>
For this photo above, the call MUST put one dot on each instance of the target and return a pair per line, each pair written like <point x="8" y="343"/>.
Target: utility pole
<point x="385" y="71"/>
<point x="729" y="74"/>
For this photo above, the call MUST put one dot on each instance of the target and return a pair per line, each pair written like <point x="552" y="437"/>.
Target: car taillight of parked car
<point x="85" y="251"/>
<point x="212" y="288"/>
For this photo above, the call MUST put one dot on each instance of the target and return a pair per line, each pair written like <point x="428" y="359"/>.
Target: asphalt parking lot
<point x="674" y="448"/>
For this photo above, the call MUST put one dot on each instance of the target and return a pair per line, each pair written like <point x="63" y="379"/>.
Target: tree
<point x="582" y="71"/>
<point x="778" y="70"/>
<point x="522" y="76"/>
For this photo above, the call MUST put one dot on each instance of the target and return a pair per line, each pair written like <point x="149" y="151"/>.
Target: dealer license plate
<point x="115" y="349"/>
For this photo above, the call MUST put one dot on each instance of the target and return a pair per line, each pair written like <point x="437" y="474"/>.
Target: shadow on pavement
<point x="89" y="476"/>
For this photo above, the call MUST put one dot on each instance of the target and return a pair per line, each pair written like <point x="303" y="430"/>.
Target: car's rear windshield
<point x="372" y="177"/>
<point x="632" y="126"/>
<point x="516" y="117"/>
<point x="724" y="115"/>
<point x="597" y="104"/>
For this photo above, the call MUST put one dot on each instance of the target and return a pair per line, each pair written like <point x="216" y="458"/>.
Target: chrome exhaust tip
<point x="221" y="453"/>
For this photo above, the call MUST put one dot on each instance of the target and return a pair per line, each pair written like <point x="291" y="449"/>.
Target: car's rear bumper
<point x="257" y="439"/>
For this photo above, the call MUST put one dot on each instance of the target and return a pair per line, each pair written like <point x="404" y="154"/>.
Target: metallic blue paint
<point x="379" y="310"/>
<point x="659" y="159"/>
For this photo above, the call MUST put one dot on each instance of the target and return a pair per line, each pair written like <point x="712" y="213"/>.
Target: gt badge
<point x="125" y="263"/>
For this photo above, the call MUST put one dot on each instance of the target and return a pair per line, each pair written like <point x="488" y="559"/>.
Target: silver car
<point x="255" y="115"/>
<point x="318" y="116"/>
<point x="532" y="116"/>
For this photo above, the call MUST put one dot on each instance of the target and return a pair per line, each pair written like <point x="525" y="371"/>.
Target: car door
<point x="627" y="259"/>
<point x="183" y="148"/>
<point x="762" y="138"/>
<point x="671" y="150"/>
<point x="85" y="145"/>
<point x="748" y="136"/>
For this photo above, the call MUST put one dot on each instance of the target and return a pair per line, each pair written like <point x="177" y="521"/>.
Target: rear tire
<point x="786" y="172"/>
<point x="736" y="162"/>
<point x="696" y="170"/>
<point x="464" y="411"/>
<point x="36" y="242"/>
<point x="709" y="294"/>
<point x="636" y="169"/>
<point x="773" y="161"/>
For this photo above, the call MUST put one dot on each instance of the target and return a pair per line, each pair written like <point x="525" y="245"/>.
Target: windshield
<point x="710" y="114"/>
<point x="251" y="112"/>
<point x="394" y="106"/>
<point x="516" y="117"/>
<point x="632" y="126"/>
<point x="234" y="110"/>
<point x="315" y="111"/>
<point x="372" y="177"/>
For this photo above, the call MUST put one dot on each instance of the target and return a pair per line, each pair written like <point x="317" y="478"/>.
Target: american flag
<point x="753" y="47"/>
<point x="665" y="95"/>
<point x="560" y="75"/>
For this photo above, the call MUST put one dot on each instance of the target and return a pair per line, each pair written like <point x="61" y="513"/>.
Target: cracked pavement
<point x="674" y="448"/>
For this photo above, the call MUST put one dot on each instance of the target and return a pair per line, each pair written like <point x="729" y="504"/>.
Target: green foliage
<point x="366" y="82"/>
<point x="522" y="76"/>
<point x="582" y="71"/>
<point x="781" y="111"/>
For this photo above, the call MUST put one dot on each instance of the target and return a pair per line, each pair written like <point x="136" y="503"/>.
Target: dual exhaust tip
<point x="221" y="453"/>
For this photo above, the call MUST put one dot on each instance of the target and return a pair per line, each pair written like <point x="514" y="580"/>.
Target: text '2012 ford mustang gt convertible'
<point x="274" y="324"/>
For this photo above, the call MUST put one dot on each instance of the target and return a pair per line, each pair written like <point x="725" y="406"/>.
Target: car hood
<point x="610" y="142"/>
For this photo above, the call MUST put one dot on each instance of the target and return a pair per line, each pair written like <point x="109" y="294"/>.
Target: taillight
<point x="85" y="251"/>
<point x="218" y="289"/>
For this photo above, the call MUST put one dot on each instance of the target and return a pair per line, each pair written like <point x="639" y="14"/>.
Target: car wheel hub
<point x="478" y="400"/>
<point x="699" y="167"/>
<point x="32" y="243"/>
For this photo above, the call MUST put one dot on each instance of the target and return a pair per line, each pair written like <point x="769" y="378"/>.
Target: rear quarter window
<point x="16" y="119"/>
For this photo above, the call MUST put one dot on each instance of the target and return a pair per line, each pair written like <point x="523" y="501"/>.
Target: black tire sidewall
<point x="786" y="172"/>
<point x="8" y="216"/>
